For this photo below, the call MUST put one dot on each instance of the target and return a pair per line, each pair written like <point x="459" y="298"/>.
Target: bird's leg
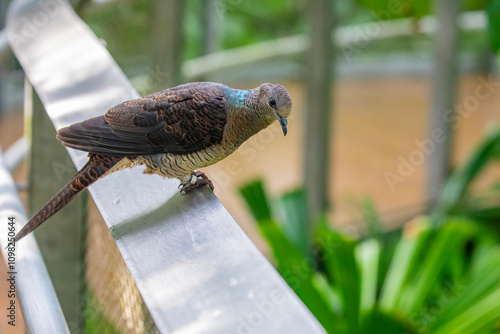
<point x="193" y="181"/>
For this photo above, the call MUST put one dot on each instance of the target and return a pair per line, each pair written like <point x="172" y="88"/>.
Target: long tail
<point x="93" y="170"/>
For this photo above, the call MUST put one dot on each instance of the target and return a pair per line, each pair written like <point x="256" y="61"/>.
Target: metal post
<point x="319" y="101"/>
<point x="445" y="82"/>
<point x="166" y="43"/>
<point x="62" y="241"/>
<point x="212" y="18"/>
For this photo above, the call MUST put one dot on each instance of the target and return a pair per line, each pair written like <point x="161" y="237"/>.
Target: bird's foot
<point x="195" y="180"/>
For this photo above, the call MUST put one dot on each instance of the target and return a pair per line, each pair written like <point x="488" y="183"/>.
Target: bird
<point x="172" y="133"/>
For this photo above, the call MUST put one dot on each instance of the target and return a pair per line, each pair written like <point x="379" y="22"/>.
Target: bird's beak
<point x="284" y="123"/>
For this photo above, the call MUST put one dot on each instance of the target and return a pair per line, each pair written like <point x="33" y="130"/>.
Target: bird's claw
<point x="191" y="180"/>
<point x="197" y="179"/>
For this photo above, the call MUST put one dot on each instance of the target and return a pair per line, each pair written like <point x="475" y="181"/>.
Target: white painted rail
<point x="16" y="153"/>
<point x="196" y="270"/>
<point x="38" y="301"/>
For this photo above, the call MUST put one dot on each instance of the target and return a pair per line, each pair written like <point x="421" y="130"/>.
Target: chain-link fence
<point x="114" y="302"/>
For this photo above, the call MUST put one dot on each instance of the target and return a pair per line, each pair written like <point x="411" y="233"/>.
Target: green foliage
<point x="294" y="213"/>
<point x="257" y="201"/>
<point x="123" y="25"/>
<point x="96" y="321"/>
<point x="493" y="12"/>
<point x="456" y="198"/>
<point x="427" y="278"/>
<point x="250" y="22"/>
<point x="404" y="263"/>
<point x="293" y="266"/>
<point x="126" y="27"/>
<point x="395" y="9"/>
<point x="338" y="254"/>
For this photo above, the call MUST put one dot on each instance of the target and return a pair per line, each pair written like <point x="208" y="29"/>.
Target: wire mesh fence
<point x="114" y="303"/>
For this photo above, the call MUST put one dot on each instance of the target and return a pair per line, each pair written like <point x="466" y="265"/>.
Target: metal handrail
<point x="16" y="153"/>
<point x="194" y="267"/>
<point x="38" y="301"/>
<point x="4" y="43"/>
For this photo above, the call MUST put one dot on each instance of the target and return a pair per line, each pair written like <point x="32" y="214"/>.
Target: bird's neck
<point x="243" y="119"/>
<point x="238" y="98"/>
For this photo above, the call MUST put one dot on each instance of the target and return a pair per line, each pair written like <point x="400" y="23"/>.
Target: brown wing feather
<point x="180" y="120"/>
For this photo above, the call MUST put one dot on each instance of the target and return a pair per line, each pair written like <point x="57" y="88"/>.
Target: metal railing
<point x="195" y="268"/>
<point x="38" y="301"/>
<point x="4" y="43"/>
<point x="16" y="153"/>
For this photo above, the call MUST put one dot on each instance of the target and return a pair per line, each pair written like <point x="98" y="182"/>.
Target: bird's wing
<point x="179" y="120"/>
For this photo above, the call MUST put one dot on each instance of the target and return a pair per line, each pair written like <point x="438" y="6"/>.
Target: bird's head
<point x="274" y="103"/>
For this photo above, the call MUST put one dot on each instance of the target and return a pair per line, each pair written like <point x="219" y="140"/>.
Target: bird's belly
<point x="180" y="165"/>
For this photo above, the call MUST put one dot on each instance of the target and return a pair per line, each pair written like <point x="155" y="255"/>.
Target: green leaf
<point x="256" y="198"/>
<point x="449" y="240"/>
<point x="480" y="317"/>
<point x="488" y="217"/>
<point x="338" y="256"/>
<point x="486" y="254"/>
<point x="297" y="272"/>
<point x="459" y="181"/>
<point x="460" y="298"/>
<point x="379" y="321"/>
<point x="368" y="257"/>
<point x="290" y="262"/>
<point x="405" y="258"/>
<point x="493" y="12"/>
<point x="328" y="292"/>
<point x="294" y="207"/>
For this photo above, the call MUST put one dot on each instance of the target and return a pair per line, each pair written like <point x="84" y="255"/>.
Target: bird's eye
<point x="272" y="102"/>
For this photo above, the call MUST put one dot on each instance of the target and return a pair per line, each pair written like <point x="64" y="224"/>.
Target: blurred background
<point x="393" y="138"/>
